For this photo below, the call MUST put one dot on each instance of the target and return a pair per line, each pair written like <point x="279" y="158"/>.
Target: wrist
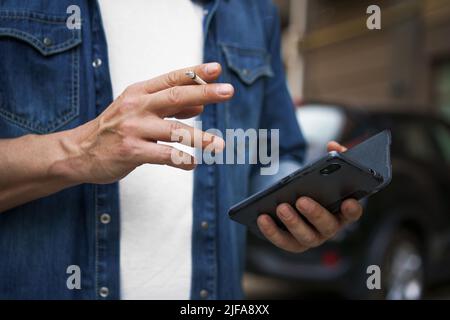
<point x="69" y="164"/>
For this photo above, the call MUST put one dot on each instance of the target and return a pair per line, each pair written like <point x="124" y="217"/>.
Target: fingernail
<point x="224" y="89"/>
<point x="350" y="209"/>
<point x="304" y="204"/>
<point x="211" y="68"/>
<point x="285" y="213"/>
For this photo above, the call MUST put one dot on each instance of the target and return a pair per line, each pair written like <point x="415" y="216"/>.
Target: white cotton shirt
<point x="147" y="38"/>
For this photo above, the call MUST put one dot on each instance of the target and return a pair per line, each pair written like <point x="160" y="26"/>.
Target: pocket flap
<point x="248" y="63"/>
<point x="47" y="33"/>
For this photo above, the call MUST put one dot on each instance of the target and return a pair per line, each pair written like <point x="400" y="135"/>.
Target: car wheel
<point x="403" y="268"/>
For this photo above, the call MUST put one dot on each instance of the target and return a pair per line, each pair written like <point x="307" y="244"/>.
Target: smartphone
<point x="329" y="181"/>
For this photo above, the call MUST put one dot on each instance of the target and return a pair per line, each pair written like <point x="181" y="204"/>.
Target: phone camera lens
<point x="330" y="169"/>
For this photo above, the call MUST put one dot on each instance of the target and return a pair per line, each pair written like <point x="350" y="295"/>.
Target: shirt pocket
<point x="39" y="71"/>
<point x="247" y="68"/>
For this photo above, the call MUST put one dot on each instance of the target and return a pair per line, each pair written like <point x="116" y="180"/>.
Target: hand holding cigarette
<point x="124" y="136"/>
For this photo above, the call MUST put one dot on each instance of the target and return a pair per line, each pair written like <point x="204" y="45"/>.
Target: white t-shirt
<point x="147" y="38"/>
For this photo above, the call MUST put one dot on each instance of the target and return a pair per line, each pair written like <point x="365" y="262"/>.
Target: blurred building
<point x="331" y="56"/>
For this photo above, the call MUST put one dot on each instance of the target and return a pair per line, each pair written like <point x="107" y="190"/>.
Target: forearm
<point x="34" y="166"/>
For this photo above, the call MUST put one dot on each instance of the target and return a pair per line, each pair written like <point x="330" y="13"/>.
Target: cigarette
<point x="191" y="74"/>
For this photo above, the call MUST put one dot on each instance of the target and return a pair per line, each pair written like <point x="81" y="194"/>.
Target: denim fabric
<point x="48" y="83"/>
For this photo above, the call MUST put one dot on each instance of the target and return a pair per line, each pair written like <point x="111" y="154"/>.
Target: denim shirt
<point x="54" y="78"/>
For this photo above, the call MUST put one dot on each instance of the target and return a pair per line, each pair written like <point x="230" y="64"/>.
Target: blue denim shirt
<point x="51" y="79"/>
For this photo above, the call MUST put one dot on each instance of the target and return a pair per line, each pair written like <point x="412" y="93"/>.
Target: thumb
<point x="334" y="146"/>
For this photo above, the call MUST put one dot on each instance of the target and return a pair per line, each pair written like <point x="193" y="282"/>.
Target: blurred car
<point x="405" y="229"/>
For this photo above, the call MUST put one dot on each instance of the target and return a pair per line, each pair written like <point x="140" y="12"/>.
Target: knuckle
<point x="176" y="131"/>
<point x="172" y="79"/>
<point x="331" y="231"/>
<point x="128" y="103"/>
<point x="175" y="126"/>
<point x="206" y="91"/>
<point x="127" y="149"/>
<point x="127" y="127"/>
<point x="316" y="214"/>
<point x="165" y="154"/>
<point x="310" y="240"/>
<point x="174" y="95"/>
<point x="291" y="221"/>
<point x="282" y="207"/>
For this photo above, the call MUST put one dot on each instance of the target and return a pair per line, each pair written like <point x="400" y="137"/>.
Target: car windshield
<point x="320" y="124"/>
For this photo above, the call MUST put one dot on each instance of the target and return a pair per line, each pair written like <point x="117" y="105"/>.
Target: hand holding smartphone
<point x="357" y="173"/>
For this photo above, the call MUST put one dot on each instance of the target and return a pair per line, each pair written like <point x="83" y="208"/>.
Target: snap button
<point x="105" y="218"/>
<point x="204" y="293"/>
<point x="104" y="292"/>
<point x="204" y="225"/>
<point x="47" y="41"/>
<point x="97" y="62"/>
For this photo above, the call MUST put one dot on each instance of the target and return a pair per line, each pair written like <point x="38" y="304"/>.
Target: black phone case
<point x="365" y="169"/>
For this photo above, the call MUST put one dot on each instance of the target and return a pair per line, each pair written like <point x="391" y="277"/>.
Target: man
<point x="66" y="144"/>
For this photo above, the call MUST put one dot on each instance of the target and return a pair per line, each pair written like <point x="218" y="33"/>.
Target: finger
<point x="277" y="236"/>
<point x="175" y="131"/>
<point x="304" y="234"/>
<point x="189" y="112"/>
<point x="325" y="223"/>
<point x="155" y="153"/>
<point x="171" y="101"/>
<point x="351" y="211"/>
<point x="334" y="146"/>
<point x="208" y="72"/>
